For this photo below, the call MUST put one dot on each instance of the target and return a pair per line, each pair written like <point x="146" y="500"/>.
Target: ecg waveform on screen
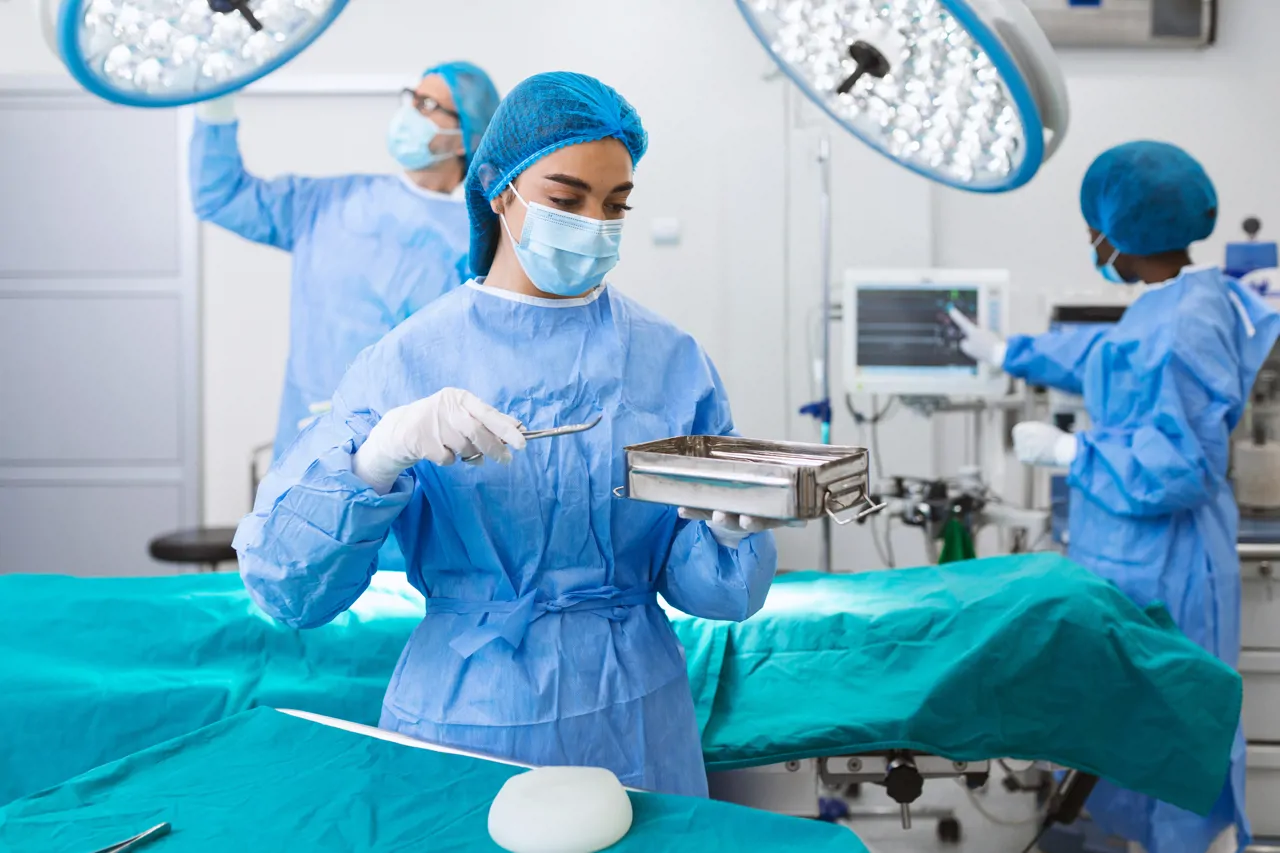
<point x="905" y="327"/>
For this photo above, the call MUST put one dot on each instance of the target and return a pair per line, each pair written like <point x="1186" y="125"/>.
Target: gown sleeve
<point x="272" y="212"/>
<point x="1054" y="359"/>
<point x="1161" y="459"/>
<point x="310" y="546"/>
<point x="702" y="577"/>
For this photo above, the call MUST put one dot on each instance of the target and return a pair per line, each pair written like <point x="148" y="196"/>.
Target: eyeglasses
<point x="426" y="104"/>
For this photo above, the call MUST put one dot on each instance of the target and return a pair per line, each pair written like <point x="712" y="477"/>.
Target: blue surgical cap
<point x="1148" y="198"/>
<point x="540" y="116"/>
<point x="475" y="97"/>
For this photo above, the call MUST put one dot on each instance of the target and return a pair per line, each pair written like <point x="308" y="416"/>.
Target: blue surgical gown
<point x="543" y="642"/>
<point x="1151" y="507"/>
<point x="368" y="251"/>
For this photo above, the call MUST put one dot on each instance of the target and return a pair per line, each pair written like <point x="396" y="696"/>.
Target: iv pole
<point x="821" y="409"/>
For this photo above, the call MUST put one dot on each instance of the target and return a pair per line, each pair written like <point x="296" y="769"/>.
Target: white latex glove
<point x="729" y="528"/>
<point x="437" y="429"/>
<point x="979" y="344"/>
<point x="217" y="111"/>
<point x="1043" y="444"/>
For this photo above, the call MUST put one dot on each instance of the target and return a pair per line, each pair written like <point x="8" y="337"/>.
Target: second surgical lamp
<point x="965" y="92"/>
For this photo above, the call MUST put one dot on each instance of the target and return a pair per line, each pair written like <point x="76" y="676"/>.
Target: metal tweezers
<point x="535" y="434"/>
<point x="158" y="831"/>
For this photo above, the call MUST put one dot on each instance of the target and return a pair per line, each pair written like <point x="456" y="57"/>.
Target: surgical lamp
<point x="965" y="92"/>
<point x="168" y="53"/>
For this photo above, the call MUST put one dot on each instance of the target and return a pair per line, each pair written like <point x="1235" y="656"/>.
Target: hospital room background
<point x="142" y="353"/>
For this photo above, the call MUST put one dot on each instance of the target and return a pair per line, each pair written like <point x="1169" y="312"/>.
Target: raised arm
<point x="265" y="211"/>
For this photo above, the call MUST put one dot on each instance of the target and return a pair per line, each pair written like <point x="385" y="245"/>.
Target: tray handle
<point x="871" y="509"/>
<point x="847" y="486"/>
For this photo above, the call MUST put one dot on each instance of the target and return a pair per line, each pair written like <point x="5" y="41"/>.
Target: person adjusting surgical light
<point x="368" y="250"/>
<point x="543" y="640"/>
<point x="1151" y="507"/>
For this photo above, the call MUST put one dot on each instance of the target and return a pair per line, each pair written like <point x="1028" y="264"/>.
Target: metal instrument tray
<point x="767" y="479"/>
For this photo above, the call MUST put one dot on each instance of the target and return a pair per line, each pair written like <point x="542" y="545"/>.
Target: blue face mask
<point x="1108" y="270"/>
<point x="563" y="253"/>
<point x="409" y="139"/>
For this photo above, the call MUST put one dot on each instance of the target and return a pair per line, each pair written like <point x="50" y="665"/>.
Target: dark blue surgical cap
<point x="1148" y="198"/>
<point x="539" y="117"/>
<point x="475" y="97"/>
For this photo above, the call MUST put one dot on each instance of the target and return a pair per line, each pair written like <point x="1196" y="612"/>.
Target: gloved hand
<point x="979" y="344"/>
<point x="1043" y="444"/>
<point x="437" y="429"/>
<point x="217" y="111"/>
<point x="729" y="528"/>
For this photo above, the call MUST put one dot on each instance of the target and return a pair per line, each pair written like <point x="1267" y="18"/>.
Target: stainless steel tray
<point x="768" y="479"/>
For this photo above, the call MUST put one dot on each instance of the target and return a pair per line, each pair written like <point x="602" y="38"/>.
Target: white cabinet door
<point x="98" y="348"/>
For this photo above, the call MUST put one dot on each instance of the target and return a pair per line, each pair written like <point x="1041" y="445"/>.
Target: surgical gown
<point x="368" y="251"/>
<point x="543" y="642"/>
<point x="1151" y="507"/>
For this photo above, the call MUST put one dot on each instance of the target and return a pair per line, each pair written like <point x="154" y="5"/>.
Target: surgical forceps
<point x="158" y="831"/>
<point x="535" y="434"/>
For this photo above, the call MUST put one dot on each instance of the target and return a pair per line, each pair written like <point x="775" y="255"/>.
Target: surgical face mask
<point x="563" y="253"/>
<point x="409" y="139"/>
<point x="1108" y="270"/>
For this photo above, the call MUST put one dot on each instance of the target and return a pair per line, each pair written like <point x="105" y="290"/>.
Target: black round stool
<point x="204" y="546"/>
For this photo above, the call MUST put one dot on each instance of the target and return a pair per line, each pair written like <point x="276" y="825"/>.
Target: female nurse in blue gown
<point x="543" y="640"/>
<point x="1151" y="507"/>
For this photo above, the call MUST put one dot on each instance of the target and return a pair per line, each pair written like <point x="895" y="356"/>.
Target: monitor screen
<point x="907" y="328"/>
<point x="1068" y="316"/>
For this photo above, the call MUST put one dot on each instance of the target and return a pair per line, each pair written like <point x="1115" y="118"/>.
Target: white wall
<point x="733" y="158"/>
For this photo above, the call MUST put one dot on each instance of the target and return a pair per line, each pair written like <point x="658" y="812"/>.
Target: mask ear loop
<point x="443" y="131"/>
<point x="1115" y="253"/>
<point x="447" y="156"/>
<point x="503" y="216"/>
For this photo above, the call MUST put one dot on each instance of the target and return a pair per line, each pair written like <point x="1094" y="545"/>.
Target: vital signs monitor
<point x="900" y="339"/>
